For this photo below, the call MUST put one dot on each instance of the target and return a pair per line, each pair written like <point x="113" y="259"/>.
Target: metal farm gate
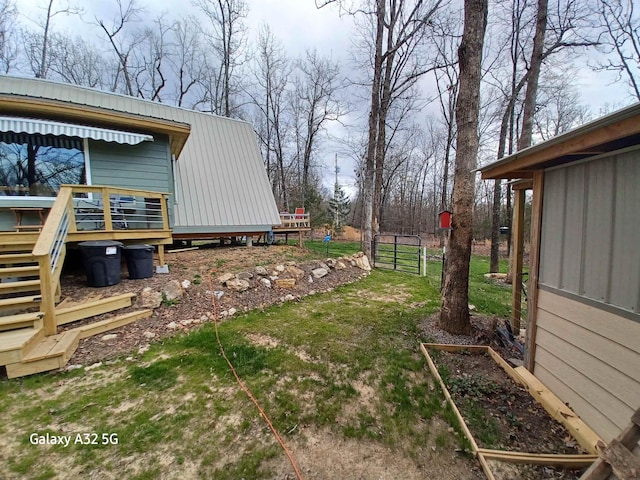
<point x="397" y="252"/>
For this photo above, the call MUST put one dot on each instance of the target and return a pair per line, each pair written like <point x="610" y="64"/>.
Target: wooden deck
<point x="31" y="263"/>
<point x="293" y="223"/>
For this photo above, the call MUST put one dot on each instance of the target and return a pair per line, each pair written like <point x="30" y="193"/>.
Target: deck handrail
<point x="50" y="250"/>
<point x="106" y="215"/>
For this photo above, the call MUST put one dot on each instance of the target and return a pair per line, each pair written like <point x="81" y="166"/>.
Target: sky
<point x="299" y="25"/>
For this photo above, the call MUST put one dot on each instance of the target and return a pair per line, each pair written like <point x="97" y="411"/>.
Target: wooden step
<point x="20" y="286"/>
<point x="111" y="323"/>
<point x="91" y="309"/>
<point x="11" y="258"/>
<point x="17" y="246"/>
<point x="21" y="320"/>
<point x="28" y="271"/>
<point x="15" y="344"/>
<point x="20" y="303"/>
<point x="49" y="354"/>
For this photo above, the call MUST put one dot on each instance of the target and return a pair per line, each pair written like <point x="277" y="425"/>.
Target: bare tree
<point x="37" y="44"/>
<point x="395" y="31"/>
<point x="454" y="314"/>
<point x="186" y="65"/>
<point x="621" y="40"/>
<point x="271" y="72"/>
<point x="8" y="40"/>
<point x="316" y="103"/>
<point x="227" y="36"/>
<point x="122" y="43"/>
<point x="78" y="62"/>
<point x="152" y="55"/>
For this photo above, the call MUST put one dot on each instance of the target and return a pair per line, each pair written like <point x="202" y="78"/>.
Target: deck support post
<point x="47" y="304"/>
<point x="518" y="246"/>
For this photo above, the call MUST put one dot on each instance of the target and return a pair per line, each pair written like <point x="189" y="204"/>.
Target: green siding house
<point x="53" y="134"/>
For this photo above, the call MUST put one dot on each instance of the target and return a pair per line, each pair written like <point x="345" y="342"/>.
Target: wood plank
<point x="623" y="463"/>
<point x="20" y="286"/>
<point x="91" y="309"/>
<point x="21" y="320"/>
<point x="15" y="343"/>
<point x="28" y="271"/>
<point x="509" y="370"/>
<point x="456" y="348"/>
<point x="20" y="302"/>
<point x="629" y="437"/>
<point x="517" y="257"/>
<point x="583" y="434"/>
<point x="11" y="258"/>
<point x="565" y="461"/>
<point x="16" y="246"/>
<point x="111" y="323"/>
<point x="15" y="370"/>
<point x="61" y="345"/>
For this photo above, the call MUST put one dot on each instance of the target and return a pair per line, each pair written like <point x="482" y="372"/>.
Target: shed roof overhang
<point x="618" y="130"/>
<point x="57" y="110"/>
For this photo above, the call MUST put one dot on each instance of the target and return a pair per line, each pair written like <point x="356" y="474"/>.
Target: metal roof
<point x="222" y="184"/>
<point x="617" y="130"/>
<point x="42" y="127"/>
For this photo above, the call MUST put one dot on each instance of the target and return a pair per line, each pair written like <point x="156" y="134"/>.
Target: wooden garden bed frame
<point x="586" y="437"/>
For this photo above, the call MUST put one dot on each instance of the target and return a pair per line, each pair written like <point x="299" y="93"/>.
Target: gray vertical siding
<point x="591" y="233"/>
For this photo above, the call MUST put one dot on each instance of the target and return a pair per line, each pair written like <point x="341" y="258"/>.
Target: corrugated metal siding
<point x="591" y="230"/>
<point x="589" y="358"/>
<point x="221" y="178"/>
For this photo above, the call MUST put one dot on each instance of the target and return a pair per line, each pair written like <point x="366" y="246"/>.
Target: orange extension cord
<point x="242" y="384"/>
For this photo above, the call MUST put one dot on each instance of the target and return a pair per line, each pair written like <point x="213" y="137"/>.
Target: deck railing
<point x="93" y="210"/>
<point x="50" y="250"/>
<point x="295" y="220"/>
<point x="108" y="209"/>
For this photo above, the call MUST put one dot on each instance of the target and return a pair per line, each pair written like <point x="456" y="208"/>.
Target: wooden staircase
<point x="24" y="347"/>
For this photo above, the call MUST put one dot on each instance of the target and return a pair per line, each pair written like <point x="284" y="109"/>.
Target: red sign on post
<point x="445" y="219"/>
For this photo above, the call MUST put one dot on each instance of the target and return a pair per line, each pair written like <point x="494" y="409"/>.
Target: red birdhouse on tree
<point x="445" y="219"/>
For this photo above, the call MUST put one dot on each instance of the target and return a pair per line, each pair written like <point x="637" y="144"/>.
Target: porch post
<point x="534" y="262"/>
<point x="518" y="247"/>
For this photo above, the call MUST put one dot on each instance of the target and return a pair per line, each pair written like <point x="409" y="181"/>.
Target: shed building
<point x="583" y="331"/>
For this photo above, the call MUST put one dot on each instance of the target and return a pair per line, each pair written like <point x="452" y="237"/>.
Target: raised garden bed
<point x="515" y="426"/>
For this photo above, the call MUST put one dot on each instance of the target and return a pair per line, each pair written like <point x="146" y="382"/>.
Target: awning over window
<point x="32" y="126"/>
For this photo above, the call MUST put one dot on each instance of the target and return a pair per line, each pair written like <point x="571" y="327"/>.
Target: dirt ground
<point x="521" y="424"/>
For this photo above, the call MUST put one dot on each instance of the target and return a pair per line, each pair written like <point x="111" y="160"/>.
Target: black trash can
<point x="139" y="261"/>
<point x="101" y="260"/>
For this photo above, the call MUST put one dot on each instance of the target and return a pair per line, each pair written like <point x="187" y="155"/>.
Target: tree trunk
<point x="531" y="94"/>
<point x="454" y="314"/>
<point x="369" y="168"/>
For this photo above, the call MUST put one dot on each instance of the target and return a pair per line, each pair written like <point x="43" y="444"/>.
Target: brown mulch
<point x="196" y="306"/>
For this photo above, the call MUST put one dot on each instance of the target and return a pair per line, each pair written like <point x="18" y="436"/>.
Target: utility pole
<point x="335" y="193"/>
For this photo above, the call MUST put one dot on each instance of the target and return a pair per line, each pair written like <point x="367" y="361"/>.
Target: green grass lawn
<point x="345" y="362"/>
